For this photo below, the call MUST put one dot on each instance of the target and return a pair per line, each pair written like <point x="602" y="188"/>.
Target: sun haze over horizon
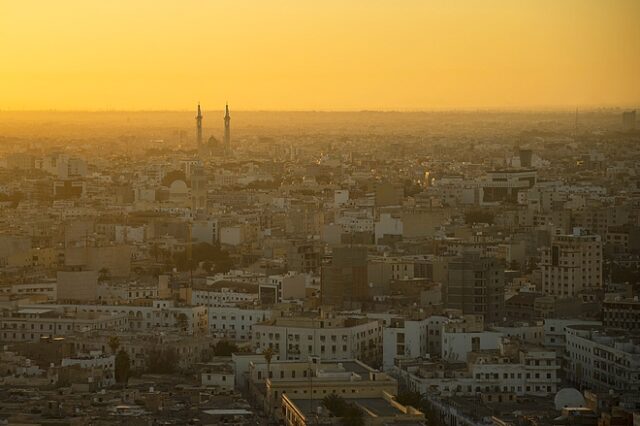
<point x="330" y="55"/>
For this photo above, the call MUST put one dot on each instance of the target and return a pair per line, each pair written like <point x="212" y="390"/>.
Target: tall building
<point x="199" y="188"/>
<point x="526" y="156"/>
<point x="629" y="120"/>
<point x="475" y="285"/>
<point x="572" y="265"/>
<point x="345" y="281"/>
<point x="227" y="130"/>
<point x="199" y="128"/>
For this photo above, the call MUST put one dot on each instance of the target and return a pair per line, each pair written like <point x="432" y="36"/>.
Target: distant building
<point x="505" y="185"/>
<point x="629" y="120"/>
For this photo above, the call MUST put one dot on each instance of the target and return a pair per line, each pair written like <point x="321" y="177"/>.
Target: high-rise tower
<point x="199" y="128"/>
<point x="227" y="130"/>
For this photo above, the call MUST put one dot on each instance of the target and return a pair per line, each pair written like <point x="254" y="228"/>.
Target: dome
<point x="173" y="176"/>
<point x="178" y="186"/>
<point x="568" y="397"/>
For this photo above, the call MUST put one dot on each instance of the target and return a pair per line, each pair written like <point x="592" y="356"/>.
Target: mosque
<point x="213" y="147"/>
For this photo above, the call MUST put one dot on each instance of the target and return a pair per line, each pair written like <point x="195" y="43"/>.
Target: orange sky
<point x="325" y="54"/>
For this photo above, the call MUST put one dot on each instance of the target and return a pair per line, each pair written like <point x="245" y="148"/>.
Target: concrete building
<point x="621" y="313"/>
<point x="236" y="322"/>
<point x="77" y="285"/>
<point x="218" y="375"/>
<point x="505" y="185"/>
<point x="475" y="286"/>
<point x="30" y="324"/>
<point x="344" y="281"/>
<point x="224" y="293"/>
<point x="312" y="379"/>
<point x="279" y="288"/>
<point x="329" y="338"/>
<point x="514" y="367"/>
<point x="159" y="314"/>
<point x="460" y="336"/>
<point x="572" y="265"/>
<point x="603" y="359"/>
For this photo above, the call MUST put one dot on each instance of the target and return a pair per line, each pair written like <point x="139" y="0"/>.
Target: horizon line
<point x="572" y="109"/>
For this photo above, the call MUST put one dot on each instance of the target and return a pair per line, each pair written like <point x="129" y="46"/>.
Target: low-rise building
<point x="330" y="338"/>
<point x="602" y="358"/>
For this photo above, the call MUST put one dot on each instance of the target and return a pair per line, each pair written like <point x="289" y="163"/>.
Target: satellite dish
<point x="569" y="397"/>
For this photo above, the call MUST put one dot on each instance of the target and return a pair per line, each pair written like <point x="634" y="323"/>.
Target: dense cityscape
<point x="320" y="268"/>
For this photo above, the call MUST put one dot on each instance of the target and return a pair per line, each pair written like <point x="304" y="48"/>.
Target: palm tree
<point x="268" y="355"/>
<point x="114" y="344"/>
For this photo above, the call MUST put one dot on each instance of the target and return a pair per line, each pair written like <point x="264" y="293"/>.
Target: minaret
<point x="227" y="130"/>
<point x="199" y="128"/>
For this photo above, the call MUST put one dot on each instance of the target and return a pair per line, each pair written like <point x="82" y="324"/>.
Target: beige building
<point x="77" y="285"/>
<point x="313" y="379"/>
<point x="572" y="265"/>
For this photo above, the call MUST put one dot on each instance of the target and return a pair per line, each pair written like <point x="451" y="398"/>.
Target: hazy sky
<point x="318" y="54"/>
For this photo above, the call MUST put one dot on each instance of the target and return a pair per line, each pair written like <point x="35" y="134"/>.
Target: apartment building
<point x="602" y="358"/>
<point x="572" y="264"/>
<point x="298" y="337"/>
<point x="30" y="324"/>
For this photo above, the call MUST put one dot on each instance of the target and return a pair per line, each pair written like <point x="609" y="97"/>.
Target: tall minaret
<point x="199" y="128"/>
<point x="227" y="130"/>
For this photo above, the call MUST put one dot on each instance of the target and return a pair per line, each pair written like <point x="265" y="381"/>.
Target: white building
<point x="555" y="331"/>
<point x="218" y="375"/>
<point x="95" y="361"/>
<point x="224" y="294"/>
<point x="161" y="314"/>
<point x="236" y="322"/>
<point x="513" y="368"/>
<point x="603" y="359"/>
<point x="406" y="339"/>
<point x="297" y="338"/>
<point x="32" y="323"/>
<point x="387" y="225"/>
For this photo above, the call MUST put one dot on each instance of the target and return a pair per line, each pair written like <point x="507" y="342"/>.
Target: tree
<point x="123" y="367"/>
<point x="224" y="348"/>
<point x="114" y="343"/>
<point x="352" y="416"/>
<point x="268" y="355"/>
<point x="335" y="404"/>
<point x="411" y="398"/>
<point x="349" y="414"/>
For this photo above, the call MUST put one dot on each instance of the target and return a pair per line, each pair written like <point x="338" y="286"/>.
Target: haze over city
<point x="336" y="213"/>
